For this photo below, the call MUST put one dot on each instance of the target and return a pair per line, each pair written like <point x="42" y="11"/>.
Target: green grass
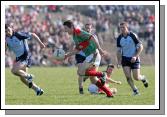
<point x="61" y="88"/>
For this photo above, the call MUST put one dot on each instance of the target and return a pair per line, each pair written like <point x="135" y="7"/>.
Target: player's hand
<point x="133" y="59"/>
<point x="119" y="82"/>
<point x="65" y="57"/>
<point x="102" y="52"/>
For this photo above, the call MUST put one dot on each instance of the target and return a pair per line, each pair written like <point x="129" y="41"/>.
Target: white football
<point x="59" y="54"/>
<point x="93" y="89"/>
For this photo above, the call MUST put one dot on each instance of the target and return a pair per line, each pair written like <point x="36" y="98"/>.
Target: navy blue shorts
<point x="126" y="62"/>
<point x="79" y="58"/>
<point x="25" y="59"/>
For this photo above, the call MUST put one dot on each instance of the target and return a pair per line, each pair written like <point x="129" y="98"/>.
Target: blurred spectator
<point x="150" y="46"/>
<point x="47" y="22"/>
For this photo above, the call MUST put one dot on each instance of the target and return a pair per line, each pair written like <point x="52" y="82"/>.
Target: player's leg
<point x="18" y="71"/>
<point x="136" y="73"/>
<point x="93" y="73"/>
<point x="93" y="80"/>
<point x="80" y="78"/>
<point x="127" y="72"/>
<point x="100" y="85"/>
<point x="103" y="87"/>
<point x="89" y="64"/>
<point x="23" y="79"/>
<point x="137" y="76"/>
<point x="97" y="82"/>
<point x="36" y="88"/>
<point x="94" y="66"/>
<point x="79" y="60"/>
<point x="80" y="83"/>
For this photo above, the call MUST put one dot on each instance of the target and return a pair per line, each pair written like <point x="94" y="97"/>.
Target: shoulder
<point x="23" y="35"/>
<point x="135" y="38"/>
<point x="132" y="34"/>
<point x="119" y="37"/>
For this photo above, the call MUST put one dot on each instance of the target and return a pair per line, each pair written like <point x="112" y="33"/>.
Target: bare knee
<point x="136" y="78"/>
<point x="128" y="78"/>
<point x="93" y="79"/>
<point x="14" y="71"/>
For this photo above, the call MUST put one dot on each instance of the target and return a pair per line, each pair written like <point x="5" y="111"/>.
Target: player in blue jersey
<point x="17" y="42"/>
<point x="129" y="49"/>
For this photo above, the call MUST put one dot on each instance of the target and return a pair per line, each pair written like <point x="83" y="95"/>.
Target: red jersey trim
<point x="83" y="45"/>
<point x="77" y="31"/>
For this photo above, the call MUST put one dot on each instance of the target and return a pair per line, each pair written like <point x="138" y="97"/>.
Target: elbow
<point x="141" y="47"/>
<point x="33" y="34"/>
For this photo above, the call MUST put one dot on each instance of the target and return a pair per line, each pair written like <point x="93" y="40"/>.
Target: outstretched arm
<point x="73" y="52"/>
<point x="102" y="52"/>
<point x="38" y="40"/>
<point x="113" y="81"/>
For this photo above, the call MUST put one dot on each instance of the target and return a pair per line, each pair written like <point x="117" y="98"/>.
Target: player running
<point x="17" y="42"/>
<point x="80" y="59"/>
<point x="86" y="45"/>
<point x="129" y="49"/>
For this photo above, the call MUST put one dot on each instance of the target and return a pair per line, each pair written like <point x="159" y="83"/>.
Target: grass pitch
<point x="61" y="88"/>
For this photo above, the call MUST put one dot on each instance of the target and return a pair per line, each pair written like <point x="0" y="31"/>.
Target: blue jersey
<point x="18" y="42"/>
<point x="128" y="44"/>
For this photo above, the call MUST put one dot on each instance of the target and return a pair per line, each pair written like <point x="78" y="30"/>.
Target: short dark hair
<point x="124" y="23"/>
<point x="7" y="25"/>
<point x="68" y="23"/>
<point x="110" y="65"/>
<point x="88" y="24"/>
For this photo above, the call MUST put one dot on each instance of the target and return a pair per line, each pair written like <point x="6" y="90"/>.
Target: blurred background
<point x="47" y="23"/>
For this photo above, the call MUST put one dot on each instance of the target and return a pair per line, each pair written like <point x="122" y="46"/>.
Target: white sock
<point x="141" y="77"/>
<point x="37" y="89"/>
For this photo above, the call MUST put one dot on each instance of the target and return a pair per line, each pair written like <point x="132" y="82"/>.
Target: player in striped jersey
<point x="87" y="44"/>
<point x="80" y="59"/>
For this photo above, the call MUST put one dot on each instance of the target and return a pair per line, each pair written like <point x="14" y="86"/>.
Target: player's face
<point x="68" y="30"/>
<point x="9" y="31"/>
<point x="109" y="70"/>
<point x="88" y="28"/>
<point x="123" y="28"/>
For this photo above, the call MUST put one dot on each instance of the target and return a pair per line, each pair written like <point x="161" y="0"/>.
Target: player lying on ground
<point x="109" y="72"/>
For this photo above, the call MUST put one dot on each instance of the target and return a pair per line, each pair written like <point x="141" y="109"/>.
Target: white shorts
<point x="93" y="59"/>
